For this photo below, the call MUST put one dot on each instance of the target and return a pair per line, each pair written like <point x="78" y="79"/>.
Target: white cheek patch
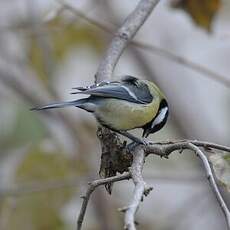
<point x="160" y="117"/>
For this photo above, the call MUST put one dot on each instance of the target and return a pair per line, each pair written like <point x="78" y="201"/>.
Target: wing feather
<point x="128" y="89"/>
<point x="115" y="91"/>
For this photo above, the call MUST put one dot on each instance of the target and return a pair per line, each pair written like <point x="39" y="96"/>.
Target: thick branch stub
<point x="114" y="158"/>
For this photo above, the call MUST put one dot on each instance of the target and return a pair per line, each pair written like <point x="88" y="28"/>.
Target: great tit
<point x="123" y="105"/>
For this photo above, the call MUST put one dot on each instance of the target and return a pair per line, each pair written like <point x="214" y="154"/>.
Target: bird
<point x="122" y="105"/>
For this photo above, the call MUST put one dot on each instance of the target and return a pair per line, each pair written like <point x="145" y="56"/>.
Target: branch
<point x="18" y="190"/>
<point x="212" y="181"/>
<point x="206" y="72"/>
<point x="140" y="188"/>
<point x="164" y="150"/>
<point x="105" y="71"/>
<point x="204" y="144"/>
<point x="122" y="38"/>
<point x="92" y="186"/>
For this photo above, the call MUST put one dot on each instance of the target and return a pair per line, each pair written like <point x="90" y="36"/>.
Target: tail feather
<point x="81" y="92"/>
<point x="81" y="88"/>
<point x="57" y="105"/>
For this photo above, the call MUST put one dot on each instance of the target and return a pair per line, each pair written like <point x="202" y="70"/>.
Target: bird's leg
<point x="131" y="137"/>
<point x="131" y="146"/>
<point x="134" y="143"/>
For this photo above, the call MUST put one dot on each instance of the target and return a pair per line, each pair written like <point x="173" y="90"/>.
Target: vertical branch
<point x="105" y="70"/>
<point x="123" y="36"/>
<point x="140" y="187"/>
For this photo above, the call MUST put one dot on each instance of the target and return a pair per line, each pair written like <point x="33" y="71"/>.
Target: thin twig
<point x="212" y="181"/>
<point x="140" y="188"/>
<point x="206" y="72"/>
<point x="203" y="144"/>
<point x="164" y="150"/>
<point x="92" y="186"/>
<point x="30" y="188"/>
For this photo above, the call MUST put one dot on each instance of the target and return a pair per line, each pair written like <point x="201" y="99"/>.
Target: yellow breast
<point x="123" y="115"/>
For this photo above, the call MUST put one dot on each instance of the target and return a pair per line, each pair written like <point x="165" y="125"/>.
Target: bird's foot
<point x="131" y="146"/>
<point x="134" y="144"/>
<point x="145" y="142"/>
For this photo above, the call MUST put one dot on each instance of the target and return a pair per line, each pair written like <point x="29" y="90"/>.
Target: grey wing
<point x="102" y="83"/>
<point x="123" y="92"/>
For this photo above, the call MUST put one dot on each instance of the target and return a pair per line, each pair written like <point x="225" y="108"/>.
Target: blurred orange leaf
<point x="202" y="12"/>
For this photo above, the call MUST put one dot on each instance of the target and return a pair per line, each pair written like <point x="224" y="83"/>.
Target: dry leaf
<point x="221" y="168"/>
<point x="202" y="12"/>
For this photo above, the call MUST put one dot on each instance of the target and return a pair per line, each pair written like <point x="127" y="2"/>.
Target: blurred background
<point x="46" y="158"/>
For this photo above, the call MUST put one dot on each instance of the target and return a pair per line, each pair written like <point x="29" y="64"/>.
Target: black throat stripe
<point x="149" y="127"/>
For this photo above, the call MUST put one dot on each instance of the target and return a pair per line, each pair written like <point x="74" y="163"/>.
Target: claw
<point x="124" y="144"/>
<point x="145" y="142"/>
<point x="131" y="146"/>
<point x="134" y="144"/>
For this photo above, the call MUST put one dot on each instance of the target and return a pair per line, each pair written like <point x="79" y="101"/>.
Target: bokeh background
<point x="46" y="158"/>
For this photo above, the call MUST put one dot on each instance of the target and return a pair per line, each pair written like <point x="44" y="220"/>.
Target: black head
<point x="138" y="88"/>
<point x="158" y="121"/>
<point x="129" y="79"/>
